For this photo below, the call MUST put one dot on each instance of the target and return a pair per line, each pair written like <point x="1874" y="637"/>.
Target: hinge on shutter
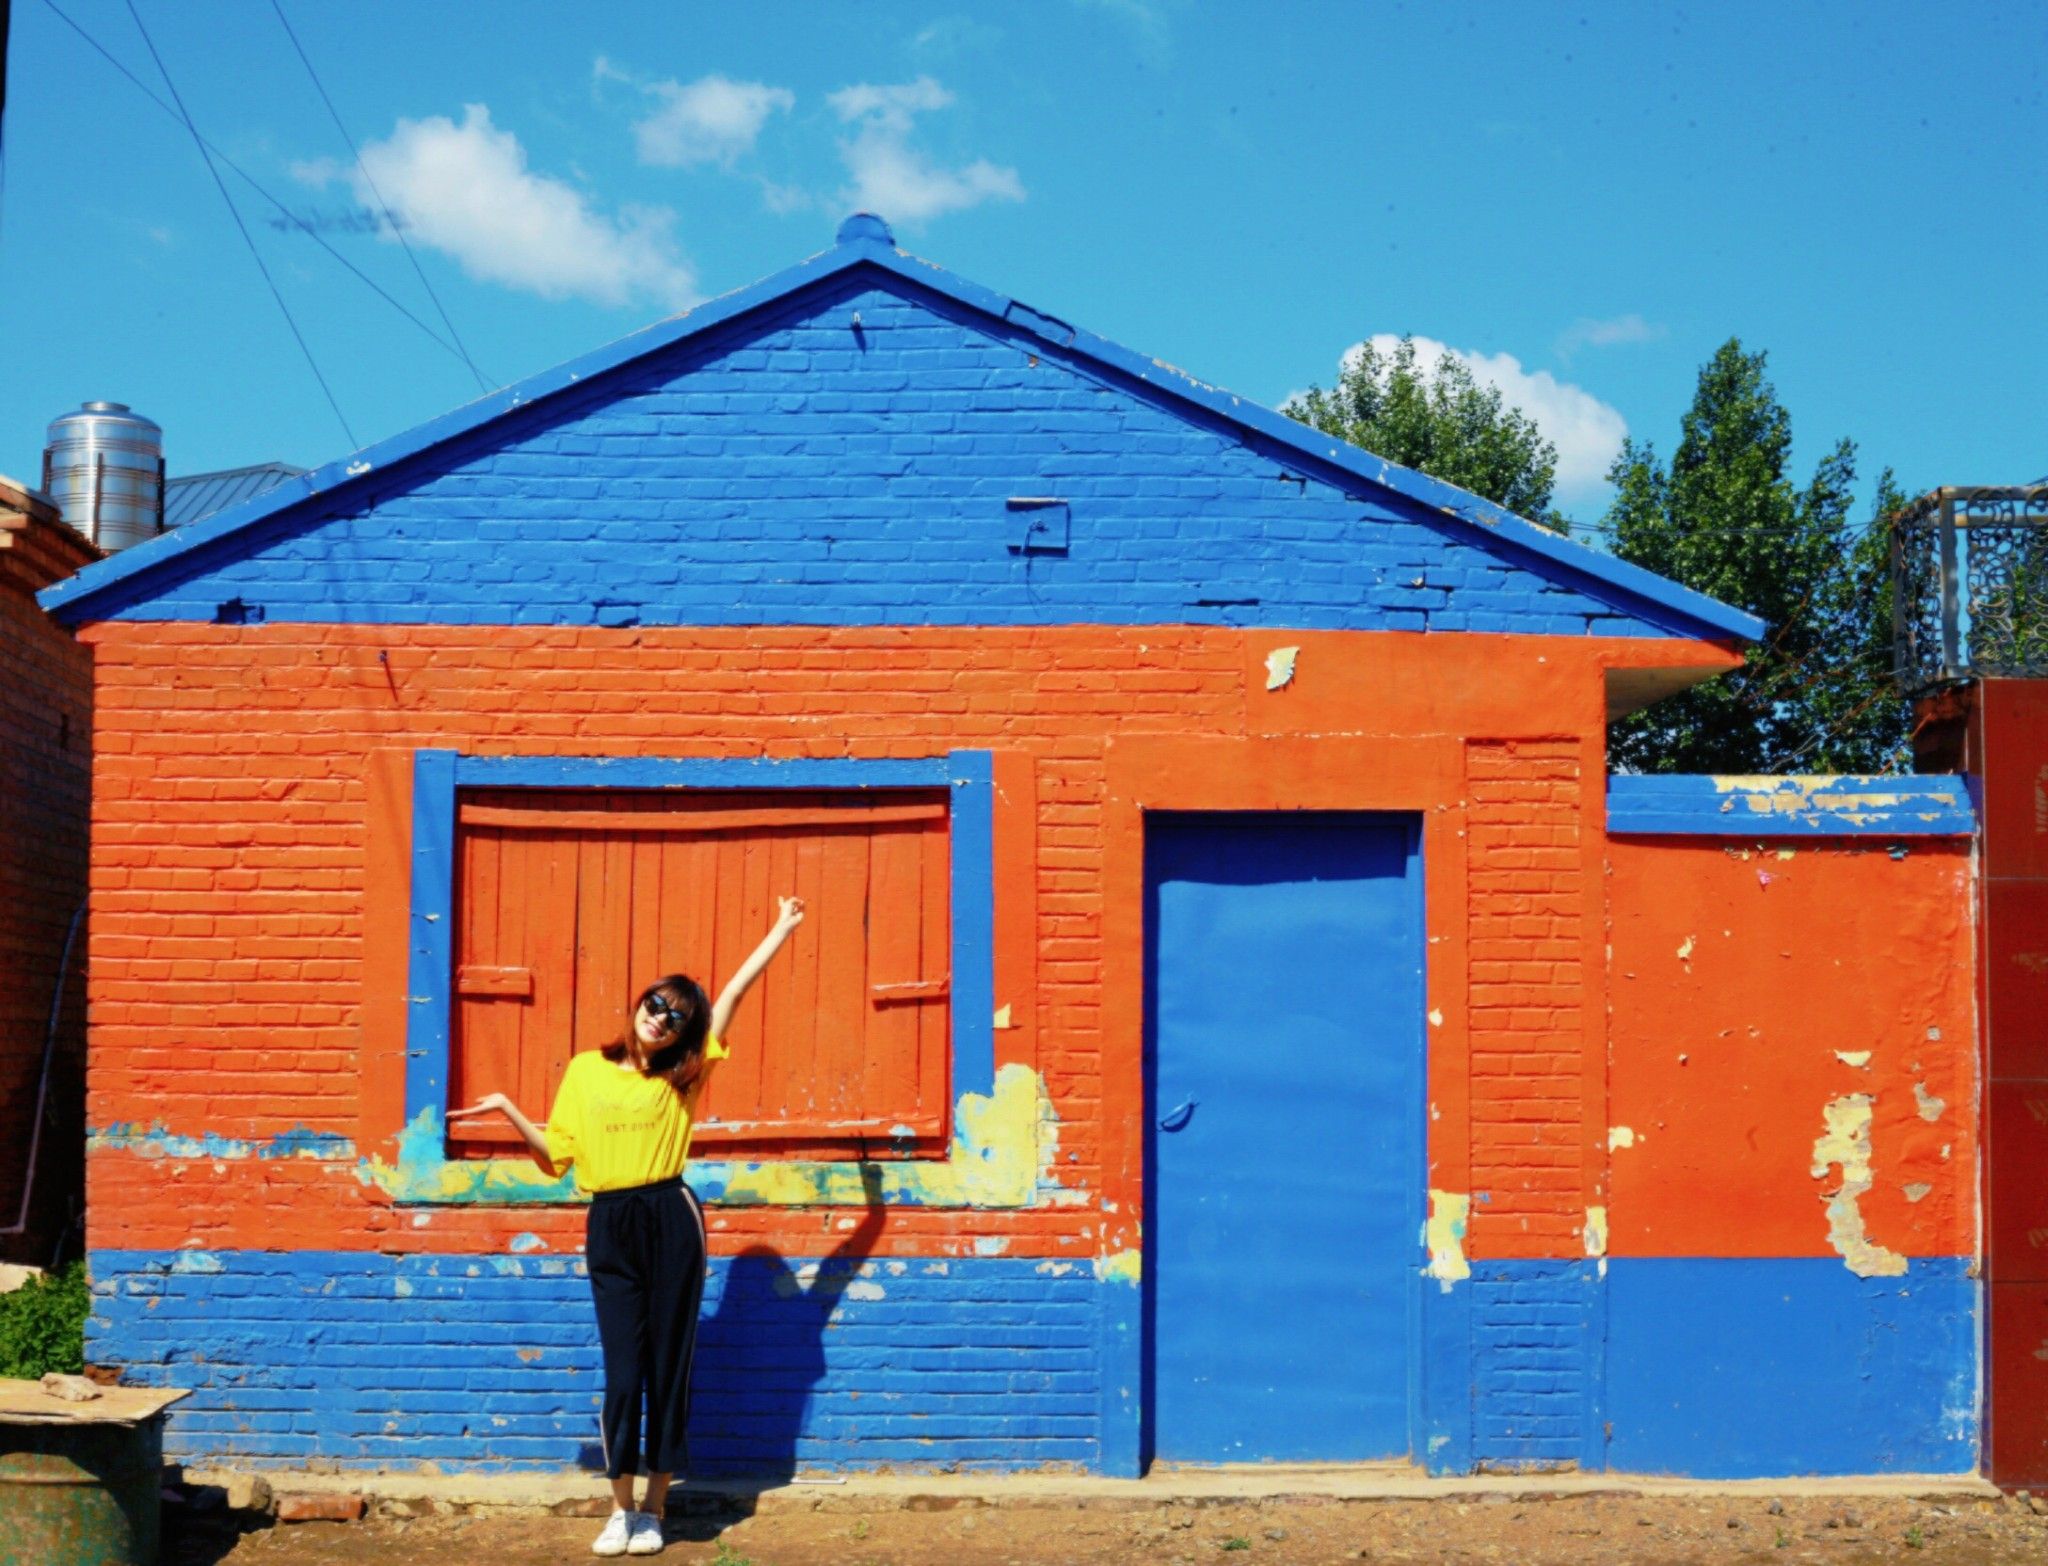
<point x="916" y="990"/>
<point x="474" y="979"/>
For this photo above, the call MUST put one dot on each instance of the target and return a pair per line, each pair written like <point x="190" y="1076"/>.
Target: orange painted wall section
<point x="237" y="989"/>
<point x="1754" y="985"/>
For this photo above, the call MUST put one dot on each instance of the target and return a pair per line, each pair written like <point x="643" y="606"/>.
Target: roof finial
<point x="864" y="228"/>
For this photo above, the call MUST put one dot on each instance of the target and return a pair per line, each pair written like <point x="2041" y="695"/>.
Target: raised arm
<point x="736" y="987"/>
<point x="535" y="1139"/>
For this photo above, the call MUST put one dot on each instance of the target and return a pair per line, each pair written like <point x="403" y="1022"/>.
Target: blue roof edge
<point x="1754" y="807"/>
<point x="71" y="599"/>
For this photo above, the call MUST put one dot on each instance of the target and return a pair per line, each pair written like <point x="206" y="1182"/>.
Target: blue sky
<point x="1584" y="201"/>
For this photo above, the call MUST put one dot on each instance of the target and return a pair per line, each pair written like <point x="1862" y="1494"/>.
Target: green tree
<point x="1727" y="519"/>
<point x="1439" y="421"/>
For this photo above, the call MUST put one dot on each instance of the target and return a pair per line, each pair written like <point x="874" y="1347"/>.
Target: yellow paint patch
<point x="1596" y="1231"/>
<point x="1121" y="1267"/>
<point x="1002" y="1142"/>
<point x="1280" y="667"/>
<point x="1845" y="1143"/>
<point x="1929" y="1106"/>
<point x="1620" y="1136"/>
<point x="1003" y="1018"/>
<point x="1859" y="1058"/>
<point x="1444" y="1235"/>
<point x="1685" y="949"/>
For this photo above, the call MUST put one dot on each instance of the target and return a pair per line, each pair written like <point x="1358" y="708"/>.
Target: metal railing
<point x="1970" y="585"/>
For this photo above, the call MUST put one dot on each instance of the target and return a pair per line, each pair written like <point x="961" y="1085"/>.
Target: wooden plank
<point x="610" y="974"/>
<point x="933" y="1074"/>
<point x="477" y="979"/>
<point x="26" y="1403"/>
<point x="888" y="1050"/>
<point x="644" y="922"/>
<point x="484" y="1043"/>
<point x="548" y="1036"/>
<point x="839" y="818"/>
<point x="836" y="1085"/>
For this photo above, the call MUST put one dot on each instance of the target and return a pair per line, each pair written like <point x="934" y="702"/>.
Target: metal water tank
<point x="104" y="466"/>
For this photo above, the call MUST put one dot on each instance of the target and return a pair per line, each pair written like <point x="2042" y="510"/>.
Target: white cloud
<point x="466" y="190"/>
<point x="895" y="179"/>
<point x="1586" y="431"/>
<point x="713" y="119"/>
<point x="1609" y="333"/>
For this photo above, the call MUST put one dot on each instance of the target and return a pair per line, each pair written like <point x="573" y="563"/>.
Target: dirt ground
<point x="1582" y="1531"/>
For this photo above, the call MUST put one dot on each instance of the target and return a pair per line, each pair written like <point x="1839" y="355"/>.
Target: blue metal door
<point x="1284" y="1168"/>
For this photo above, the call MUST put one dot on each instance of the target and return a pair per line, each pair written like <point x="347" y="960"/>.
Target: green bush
<point x="42" y="1325"/>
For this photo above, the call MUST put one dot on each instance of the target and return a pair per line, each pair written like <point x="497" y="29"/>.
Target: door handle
<point x="1177" y="1117"/>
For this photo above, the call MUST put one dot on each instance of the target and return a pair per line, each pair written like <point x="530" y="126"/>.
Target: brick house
<point x="45" y="783"/>
<point x="1239" y="1021"/>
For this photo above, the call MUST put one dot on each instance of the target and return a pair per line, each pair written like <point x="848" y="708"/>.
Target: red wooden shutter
<point x="570" y="901"/>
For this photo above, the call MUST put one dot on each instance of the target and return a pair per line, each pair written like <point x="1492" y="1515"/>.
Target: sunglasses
<point x="664" y="1012"/>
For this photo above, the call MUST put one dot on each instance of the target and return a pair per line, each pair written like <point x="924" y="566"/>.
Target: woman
<point x="623" y="1117"/>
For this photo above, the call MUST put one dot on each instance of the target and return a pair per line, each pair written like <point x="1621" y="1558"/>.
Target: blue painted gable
<point x="864" y="447"/>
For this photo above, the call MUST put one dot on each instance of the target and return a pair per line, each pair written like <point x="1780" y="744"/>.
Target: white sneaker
<point x="617" y="1535"/>
<point x="645" y="1538"/>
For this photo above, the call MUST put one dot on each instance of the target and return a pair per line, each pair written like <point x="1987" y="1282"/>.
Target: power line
<point x="251" y="181"/>
<point x="482" y="381"/>
<point x="243" y="228"/>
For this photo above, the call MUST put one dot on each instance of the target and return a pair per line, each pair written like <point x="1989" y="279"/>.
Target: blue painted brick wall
<point x="788" y="469"/>
<point x="1532" y="1326"/>
<point x="368" y="1360"/>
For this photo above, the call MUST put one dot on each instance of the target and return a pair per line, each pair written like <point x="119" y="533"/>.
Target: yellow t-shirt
<point x="620" y="1127"/>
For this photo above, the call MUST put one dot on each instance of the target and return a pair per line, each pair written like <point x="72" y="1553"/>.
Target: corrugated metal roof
<point x="201" y="495"/>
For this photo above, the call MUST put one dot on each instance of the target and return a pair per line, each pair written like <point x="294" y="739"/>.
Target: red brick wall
<point x="45" y="735"/>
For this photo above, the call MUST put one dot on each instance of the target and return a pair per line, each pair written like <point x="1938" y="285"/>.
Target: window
<point x="568" y="900"/>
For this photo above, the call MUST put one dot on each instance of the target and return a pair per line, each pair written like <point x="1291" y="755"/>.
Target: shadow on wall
<point x="761" y="1351"/>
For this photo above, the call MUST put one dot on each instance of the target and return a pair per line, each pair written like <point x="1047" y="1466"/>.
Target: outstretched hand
<point x="490" y="1103"/>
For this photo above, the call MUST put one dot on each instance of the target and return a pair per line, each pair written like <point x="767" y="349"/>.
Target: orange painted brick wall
<point x="229" y="875"/>
<point x="1754" y="985"/>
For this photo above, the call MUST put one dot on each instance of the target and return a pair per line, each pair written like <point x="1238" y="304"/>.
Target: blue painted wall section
<point x="793" y="469"/>
<point x="1534" y="1329"/>
<point x="1760" y="807"/>
<point x="365" y="1360"/>
<point x="1725" y="1369"/>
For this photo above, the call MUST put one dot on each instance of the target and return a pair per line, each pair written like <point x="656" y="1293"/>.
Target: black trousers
<point x="644" y="1250"/>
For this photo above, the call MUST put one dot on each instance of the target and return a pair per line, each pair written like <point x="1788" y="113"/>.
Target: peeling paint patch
<point x="159" y="1142"/>
<point x="1280" y="667"/>
<point x="1620" y="1136"/>
<point x="1685" y="949"/>
<point x="1003" y="1018"/>
<point x="197" y="1261"/>
<point x="1444" y="1235"/>
<point x="1436" y="1017"/>
<point x="1846" y="1143"/>
<point x="1596" y="1231"/>
<point x="991" y="1245"/>
<point x="1917" y="1192"/>
<point x="1054" y="1269"/>
<point x="1859" y="1058"/>
<point x="1929" y="1106"/>
<point x="1002" y="1155"/>
<point x="522" y="1243"/>
<point x="1120" y="1267"/>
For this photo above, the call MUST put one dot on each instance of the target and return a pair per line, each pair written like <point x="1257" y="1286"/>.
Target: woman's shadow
<point x="761" y="1353"/>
